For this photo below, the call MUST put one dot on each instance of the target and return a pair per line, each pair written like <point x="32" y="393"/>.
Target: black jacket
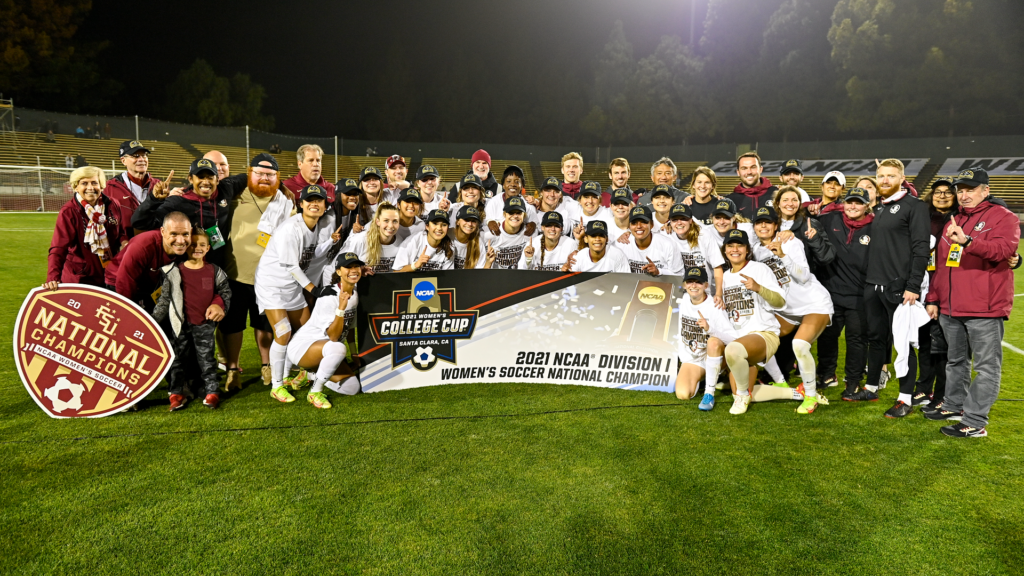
<point x="819" y="250"/>
<point x="844" y="275"/>
<point x="899" y="249"/>
<point x="491" y="188"/>
<point x="702" y="212"/>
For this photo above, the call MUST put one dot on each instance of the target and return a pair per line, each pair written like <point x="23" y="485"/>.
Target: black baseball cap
<point x="312" y="191"/>
<point x="264" y="157"/>
<point x="766" y="213"/>
<point x="591" y="188"/>
<point x="438" y="215"/>
<point x="597" y="228"/>
<point x="947" y="180"/>
<point x="426" y="171"/>
<point x="622" y="196"/>
<point x="725" y="207"/>
<point x="552" y="219"/>
<point x="736" y="236"/>
<point x="696" y="274"/>
<point x="515" y="204"/>
<point x="202" y="165"/>
<point x="369" y="172"/>
<point x="680" y="210"/>
<point x="640" y="213"/>
<point x="130" y="147"/>
<point x="662" y="190"/>
<point x="551" y="182"/>
<point x="790" y="166"/>
<point x="468" y="213"/>
<point x="972" y="178"/>
<point x="859" y="194"/>
<point x="513" y="169"/>
<point x="348" y="187"/>
<point x="410" y="194"/>
<point x="347" y="259"/>
<point x="472" y="180"/>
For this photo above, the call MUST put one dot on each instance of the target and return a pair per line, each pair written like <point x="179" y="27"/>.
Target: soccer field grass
<point x="497" y="479"/>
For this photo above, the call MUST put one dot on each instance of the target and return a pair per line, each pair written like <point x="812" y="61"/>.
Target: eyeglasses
<point x="944" y="192"/>
<point x="138" y="155"/>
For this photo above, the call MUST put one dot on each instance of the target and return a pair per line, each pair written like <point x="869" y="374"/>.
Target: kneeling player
<point x="321" y="343"/>
<point x="704" y="330"/>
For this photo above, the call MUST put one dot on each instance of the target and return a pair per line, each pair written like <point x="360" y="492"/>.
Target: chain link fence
<point x="36" y="188"/>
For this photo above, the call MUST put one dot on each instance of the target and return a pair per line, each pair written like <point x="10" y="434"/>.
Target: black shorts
<point x="243" y="303"/>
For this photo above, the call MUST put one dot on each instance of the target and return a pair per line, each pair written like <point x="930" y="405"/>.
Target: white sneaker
<point x="739" y="404"/>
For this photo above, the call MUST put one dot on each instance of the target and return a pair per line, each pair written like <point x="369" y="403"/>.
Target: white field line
<point x="1012" y="347"/>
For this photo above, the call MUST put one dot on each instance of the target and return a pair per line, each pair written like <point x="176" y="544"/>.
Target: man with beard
<point x="255" y="213"/>
<point x="897" y="260"/>
<point x="131" y="188"/>
<point x="207" y="204"/>
<point x="618" y="173"/>
<point x="310" y="158"/>
<point x="663" y="173"/>
<point x="792" y="175"/>
<point x="753" y="191"/>
<point x="482" y="168"/>
<point x="135" y="272"/>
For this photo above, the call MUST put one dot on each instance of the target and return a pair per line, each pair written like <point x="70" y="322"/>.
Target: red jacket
<point x="982" y="286"/>
<point x="297" y="183"/>
<point x="135" y="271"/>
<point x="118" y="191"/>
<point x="71" y="261"/>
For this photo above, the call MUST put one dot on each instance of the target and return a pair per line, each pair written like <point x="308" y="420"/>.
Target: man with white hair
<point x="482" y="168"/>
<point x="132" y="187"/>
<point x="663" y="173"/>
<point x="310" y="158"/>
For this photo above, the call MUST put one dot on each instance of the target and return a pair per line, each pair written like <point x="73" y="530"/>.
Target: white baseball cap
<point x="837" y="175"/>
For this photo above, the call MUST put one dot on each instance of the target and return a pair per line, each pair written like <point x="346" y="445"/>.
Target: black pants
<point x="852" y="319"/>
<point x="878" y="313"/>
<point x="194" y="359"/>
<point x="933" y="378"/>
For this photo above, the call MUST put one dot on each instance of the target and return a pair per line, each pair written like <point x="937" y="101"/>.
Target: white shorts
<point x="279" y="298"/>
<point x="300" y="343"/>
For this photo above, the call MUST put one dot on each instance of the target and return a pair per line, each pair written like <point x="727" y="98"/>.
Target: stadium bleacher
<point x="639" y="172"/>
<point x="1009" y="188"/>
<point x="453" y="169"/>
<point x="23" y="149"/>
<point x="348" y="166"/>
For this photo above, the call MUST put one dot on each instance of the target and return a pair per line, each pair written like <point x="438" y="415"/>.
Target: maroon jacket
<point x="982" y="286"/>
<point x="297" y="183"/>
<point x="118" y="191"/>
<point x="135" y="271"/>
<point x="71" y="261"/>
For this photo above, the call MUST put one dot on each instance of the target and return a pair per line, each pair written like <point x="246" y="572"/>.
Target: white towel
<point x="906" y="322"/>
<point x="279" y="209"/>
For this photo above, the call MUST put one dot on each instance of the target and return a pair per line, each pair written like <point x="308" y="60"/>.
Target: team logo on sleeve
<point x="423" y="325"/>
<point x="86" y="352"/>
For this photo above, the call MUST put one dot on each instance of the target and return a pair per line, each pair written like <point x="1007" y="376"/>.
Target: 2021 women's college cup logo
<point x="87" y="352"/>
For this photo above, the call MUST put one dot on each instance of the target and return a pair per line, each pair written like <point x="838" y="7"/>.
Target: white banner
<point x="994" y="166"/>
<point x="849" y="167"/>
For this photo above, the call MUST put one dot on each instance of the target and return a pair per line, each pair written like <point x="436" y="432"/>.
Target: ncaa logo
<point x="423" y="291"/>
<point x="894" y="209"/>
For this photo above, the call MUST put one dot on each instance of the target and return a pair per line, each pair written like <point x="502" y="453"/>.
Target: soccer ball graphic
<point x="424" y="356"/>
<point x="53" y="393"/>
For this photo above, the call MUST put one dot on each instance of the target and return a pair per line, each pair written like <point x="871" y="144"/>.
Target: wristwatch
<point x="968" y="242"/>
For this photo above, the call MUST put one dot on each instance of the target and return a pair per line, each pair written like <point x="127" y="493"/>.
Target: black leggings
<point x="852" y="319"/>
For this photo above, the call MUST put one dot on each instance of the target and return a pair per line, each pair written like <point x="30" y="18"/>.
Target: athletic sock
<point x="773" y="370"/>
<point x="766" y="393"/>
<point x="871" y="388"/>
<point x="348" y="387"/>
<point x="333" y="356"/>
<point x="797" y="395"/>
<point x="736" y="357"/>
<point x="905" y="398"/>
<point x="712" y="368"/>
<point x="805" y="362"/>
<point x="278" y="356"/>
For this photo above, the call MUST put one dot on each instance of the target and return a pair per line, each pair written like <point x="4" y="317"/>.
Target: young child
<point x="194" y="297"/>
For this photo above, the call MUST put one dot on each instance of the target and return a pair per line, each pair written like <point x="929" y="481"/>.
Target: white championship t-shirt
<point x="461" y="249"/>
<point x="747" y="310"/>
<point x="553" y="259"/>
<point x="804" y="294"/>
<point x="571" y="214"/>
<point x="507" y="247"/>
<point x="494" y="211"/>
<point x="413" y="247"/>
<point x="614" y="260"/>
<point x="357" y="243"/>
<point x="661" y="251"/>
<point x="693" y="340"/>
<point x="294" y="244"/>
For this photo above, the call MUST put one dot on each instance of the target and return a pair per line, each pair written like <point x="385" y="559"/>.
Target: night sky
<point x="320" y="62"/>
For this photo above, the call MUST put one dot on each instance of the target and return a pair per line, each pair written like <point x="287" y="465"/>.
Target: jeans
<point x="878" y="313"/>
<point x="856" y="345"/>
<point x="983" y="336"/>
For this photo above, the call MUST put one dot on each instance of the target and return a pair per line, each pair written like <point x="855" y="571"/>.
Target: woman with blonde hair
<point x="703" y="197"/>
<point x="87" y="234"/>
<point x="378" y="246"/>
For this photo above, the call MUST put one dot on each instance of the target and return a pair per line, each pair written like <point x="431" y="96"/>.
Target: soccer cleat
<point x="281" y="394"/>
<point x="781" y="384"/>
<point x="318" y="400"/>
<point x="921" y="399"/>
<point x="935" y="406"/>
<point x="944" y="415"/>
<point x="707" y="402"/>
<point x="299" y="381"/>
<point x="265" y="373"/>
<point x="808" y="406"/>
<point x="233" y="380"/>
<point x="211" y="401"/>
<point x="862" y="395"/>
<point x="178" y="402"/>
<point x="739" y="404"/>
<point x="963" y="431"/>
<point x="899" y="410"/>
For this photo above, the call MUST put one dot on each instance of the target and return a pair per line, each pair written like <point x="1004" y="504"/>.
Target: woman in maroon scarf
<point x="87" y="235"/>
